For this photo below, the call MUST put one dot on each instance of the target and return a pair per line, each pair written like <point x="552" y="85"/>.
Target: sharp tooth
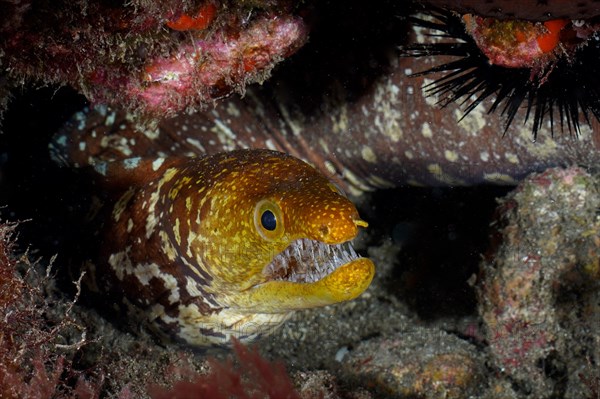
<point x="307" y="261"/>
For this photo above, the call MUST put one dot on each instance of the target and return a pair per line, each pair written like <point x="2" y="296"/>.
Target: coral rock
<point x="539" y="293"/>
<point x="154" y="58"/>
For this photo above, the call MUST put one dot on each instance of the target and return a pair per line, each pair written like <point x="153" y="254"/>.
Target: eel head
<point x="278" y="236"/>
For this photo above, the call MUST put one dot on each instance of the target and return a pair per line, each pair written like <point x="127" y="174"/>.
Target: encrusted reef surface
<point x="155" y="57"/>
<point x="539" y="291"/>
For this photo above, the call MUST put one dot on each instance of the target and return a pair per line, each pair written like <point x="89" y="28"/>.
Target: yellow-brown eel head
<point x="228" y="245"/>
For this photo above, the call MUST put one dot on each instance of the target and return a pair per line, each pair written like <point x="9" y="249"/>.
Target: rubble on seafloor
<point x="537" y="335"/>
<point x="421" y="362"/>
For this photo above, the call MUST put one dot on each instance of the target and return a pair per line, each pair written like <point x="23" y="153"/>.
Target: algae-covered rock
<point x="539" y="294"/>
<point x="424" y="363"/>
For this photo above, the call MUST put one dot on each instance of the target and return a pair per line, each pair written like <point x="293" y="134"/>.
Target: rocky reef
<point x="157" y="58"/>
<point x="539" y="291"/>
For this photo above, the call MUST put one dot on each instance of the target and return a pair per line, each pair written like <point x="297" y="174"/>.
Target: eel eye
<point x="268" y="220"/>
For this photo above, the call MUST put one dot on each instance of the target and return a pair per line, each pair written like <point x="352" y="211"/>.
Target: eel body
<point x="392" y="136"/>
<point x="204" y="249"/>
<point x="388" y="134"/>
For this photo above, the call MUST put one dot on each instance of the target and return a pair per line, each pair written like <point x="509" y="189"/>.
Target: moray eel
<point x="205" y="249"/>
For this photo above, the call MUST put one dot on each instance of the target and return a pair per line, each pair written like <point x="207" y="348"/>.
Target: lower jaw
<point x="345" y="283"/>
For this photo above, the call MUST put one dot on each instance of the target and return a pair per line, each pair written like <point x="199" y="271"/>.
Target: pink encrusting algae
<point x="158" y="59"/>
<point x="209" y="68"/>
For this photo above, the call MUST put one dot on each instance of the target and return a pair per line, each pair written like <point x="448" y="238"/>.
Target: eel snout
<point x="310" y="273"/>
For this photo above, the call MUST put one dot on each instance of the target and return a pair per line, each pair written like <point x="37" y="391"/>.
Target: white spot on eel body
<point x="450" y="155"/>
<point x="157" y="163"/>
<point x="131" y="163"/>
<point x="110" y="119"/>
<point x="426" y="131"/>
<point x="100" y="168"/>
<point x="368" y="154"/>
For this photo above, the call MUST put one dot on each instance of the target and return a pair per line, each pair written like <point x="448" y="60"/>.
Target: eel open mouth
<point x="308" y="274"/>
<point x="308" y="261"/>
